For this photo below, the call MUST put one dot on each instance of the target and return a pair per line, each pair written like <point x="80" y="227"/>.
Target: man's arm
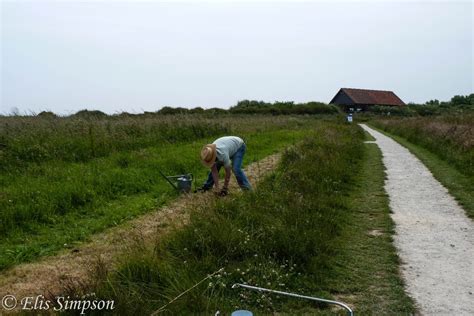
<point x="228" y="172"/>
<point x="215" y="176"/>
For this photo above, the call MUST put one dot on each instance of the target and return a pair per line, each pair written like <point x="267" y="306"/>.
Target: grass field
<point x="445" y="145"/>
<point x="304" y="230"/>
<point x="63" y="179"/>
<point x="317" y="225"/>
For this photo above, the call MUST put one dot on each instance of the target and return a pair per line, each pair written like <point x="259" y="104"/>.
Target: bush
<point x="86" y="114"/>
<point x="282" y="108"/>
<point x="47" y="114"/>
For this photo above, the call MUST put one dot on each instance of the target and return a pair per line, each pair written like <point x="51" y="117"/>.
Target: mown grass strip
<point x="458" y="183"/>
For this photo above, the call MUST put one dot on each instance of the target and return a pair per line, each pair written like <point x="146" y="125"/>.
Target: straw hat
<point x="208" y="155"/>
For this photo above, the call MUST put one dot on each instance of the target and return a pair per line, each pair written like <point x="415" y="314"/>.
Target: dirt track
<point x="49" y="275"/>
<point x="434" y="237"/>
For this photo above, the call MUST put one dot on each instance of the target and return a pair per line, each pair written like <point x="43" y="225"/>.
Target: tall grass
<point x="283" y="236"/>
<point x="36" y="139"/>
<point x="40" y="139"/>
<point x="451" y="137"/>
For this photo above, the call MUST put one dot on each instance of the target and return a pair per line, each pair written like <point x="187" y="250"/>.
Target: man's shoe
<point x="201" y="190"/>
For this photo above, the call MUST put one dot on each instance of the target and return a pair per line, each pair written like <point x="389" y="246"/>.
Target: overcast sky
<point x="115" y="56"/>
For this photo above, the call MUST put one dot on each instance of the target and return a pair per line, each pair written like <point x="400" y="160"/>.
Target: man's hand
<point x="223" y="192"/>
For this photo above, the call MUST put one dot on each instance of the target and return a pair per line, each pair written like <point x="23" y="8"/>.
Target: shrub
<point x="282" y="108"/>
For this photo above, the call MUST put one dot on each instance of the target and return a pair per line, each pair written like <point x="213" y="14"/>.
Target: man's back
<point x="226" y="147"/>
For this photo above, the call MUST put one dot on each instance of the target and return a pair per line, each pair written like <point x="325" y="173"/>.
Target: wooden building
<point x="361" y="99"/>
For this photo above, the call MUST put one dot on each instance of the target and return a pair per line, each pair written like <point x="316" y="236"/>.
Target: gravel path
<point x="434" y="238"/>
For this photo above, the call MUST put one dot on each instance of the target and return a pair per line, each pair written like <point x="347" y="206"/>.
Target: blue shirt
<point x="226" y="147"/>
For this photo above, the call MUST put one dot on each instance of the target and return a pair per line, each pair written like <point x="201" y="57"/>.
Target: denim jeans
<point x="236" y="167"/>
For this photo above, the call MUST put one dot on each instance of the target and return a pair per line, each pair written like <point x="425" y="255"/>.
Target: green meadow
<point x="64" y="179"/>
<point x="305" y="228"/>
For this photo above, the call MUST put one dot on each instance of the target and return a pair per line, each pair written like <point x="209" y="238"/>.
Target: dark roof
<point x="379" y="97"/>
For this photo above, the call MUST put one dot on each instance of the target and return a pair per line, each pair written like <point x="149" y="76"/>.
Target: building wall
<point x="342" y="98"/>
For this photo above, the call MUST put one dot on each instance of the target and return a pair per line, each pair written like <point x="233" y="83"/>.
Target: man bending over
<point x="227" y="152"/>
